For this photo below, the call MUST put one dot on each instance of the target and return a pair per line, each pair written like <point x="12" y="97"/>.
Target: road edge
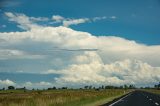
<point x="116" y="99"/>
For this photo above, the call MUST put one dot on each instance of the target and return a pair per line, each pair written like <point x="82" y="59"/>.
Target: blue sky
<point x="79" y="42"/>
<point x="136" y="20"/>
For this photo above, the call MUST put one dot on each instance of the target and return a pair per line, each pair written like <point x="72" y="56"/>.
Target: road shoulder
<point x="113" y="100"/>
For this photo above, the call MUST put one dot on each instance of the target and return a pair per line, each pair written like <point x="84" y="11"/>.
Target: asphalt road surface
<point x="137" y="98"/>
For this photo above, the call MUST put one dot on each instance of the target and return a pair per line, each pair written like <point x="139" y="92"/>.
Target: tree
<point x="90" y="87"/>
<point x="64" y="88"/>
<point x="11" y="87"/>
<point x="121" y="87"/>
<point x="125" y="87"/>
<point x="24" y="89"/>
<point x="49" y="88"/>
<point x="102" y="87"/>
<point x="157" y="86"/>
<point x="109" y="87"/>
<point x="85" y="87"/>
<point x="131" y="86"/>
<point x="54" y="88"/>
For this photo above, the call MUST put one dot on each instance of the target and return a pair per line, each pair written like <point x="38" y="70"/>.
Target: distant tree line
<point x="111" y="87"/>
<point x="13" y="88"/>
<point x="157" y="86"/>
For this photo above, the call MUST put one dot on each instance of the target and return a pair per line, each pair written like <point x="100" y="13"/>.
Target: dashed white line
<point x="156" y="104"/>
<point x="119" y="100"/>
<point x="150" y="99"/>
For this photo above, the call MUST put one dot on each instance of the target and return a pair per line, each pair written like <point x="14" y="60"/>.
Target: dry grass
<point x="155" y="91"/>
<point x="56" y="97"/>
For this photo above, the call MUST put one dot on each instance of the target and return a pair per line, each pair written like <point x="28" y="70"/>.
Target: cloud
<point x="75" y="21"/>
<point x="28" y="85"/>
<point x="39" y="19"/>
<point x="23" y="21"/>
<point x="57" y="18"/>
<point x="73" y="50"/>
<point x="3" y="26"/>
<point x="39" y="85"/>
<point x="113" y="17"/>
<point x="7" y="82"/>
<point x="99" y="18"/>
<point x="90" y="69"/>
<point x="27" y="23"/>
<point x="110" y="48"/>
<point x="17" y="54"/>
<point x="85" y="58"/>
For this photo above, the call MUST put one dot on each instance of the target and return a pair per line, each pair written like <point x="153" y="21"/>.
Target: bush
<point x="11" y="87"/>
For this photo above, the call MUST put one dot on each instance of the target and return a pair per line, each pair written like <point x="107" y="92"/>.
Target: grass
<point x="58" y="97"/>
<point x="155" y="91"/>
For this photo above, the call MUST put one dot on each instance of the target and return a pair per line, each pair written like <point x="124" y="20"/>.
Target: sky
<point x="45" y="43"/>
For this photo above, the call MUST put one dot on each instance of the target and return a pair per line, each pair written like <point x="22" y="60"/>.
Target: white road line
<point x="150" y="99"/>
<point x="119" y="100"/>
<point x="156" y="104"/>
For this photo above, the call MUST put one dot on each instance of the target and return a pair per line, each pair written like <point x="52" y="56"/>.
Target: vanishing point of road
<point x="137" y="98"/>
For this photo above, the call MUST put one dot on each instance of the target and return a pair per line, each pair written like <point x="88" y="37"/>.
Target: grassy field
<point x="58" y="97"/>
<point x="155" y="91"/>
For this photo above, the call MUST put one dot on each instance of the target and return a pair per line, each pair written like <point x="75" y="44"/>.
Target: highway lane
<point x="137" y="98"/>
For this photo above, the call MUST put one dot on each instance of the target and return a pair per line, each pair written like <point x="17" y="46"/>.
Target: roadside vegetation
<point x="87" y="96"/>
<point x="155" y="89"/>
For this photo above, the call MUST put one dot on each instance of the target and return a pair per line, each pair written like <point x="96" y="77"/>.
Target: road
<point x="137" y="98"/>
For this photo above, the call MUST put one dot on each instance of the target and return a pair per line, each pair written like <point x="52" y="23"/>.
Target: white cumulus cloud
<point x="110" y="48"/>
<point x="7" y="82"/>
<point x="93" y="71"/>
<point x="114" y="60"/>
